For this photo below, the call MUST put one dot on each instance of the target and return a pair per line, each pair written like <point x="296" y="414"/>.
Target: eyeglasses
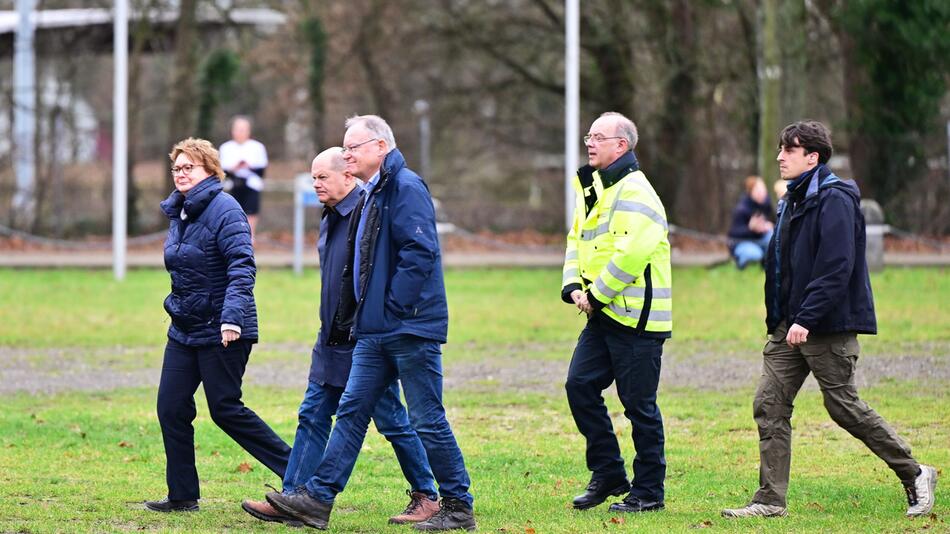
<point x="351" y="148"/>
<point x="184" y="169"/>
<point x="597" y="138"/>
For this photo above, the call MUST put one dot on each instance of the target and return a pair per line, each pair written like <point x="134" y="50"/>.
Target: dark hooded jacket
<point x="816" y="273"/>
<point x="211" y="262"/>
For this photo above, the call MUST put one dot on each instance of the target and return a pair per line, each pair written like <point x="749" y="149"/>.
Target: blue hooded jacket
<point x="816" y="273"/>
<point x="211" y="262"/>
<point x="400" y="267"/>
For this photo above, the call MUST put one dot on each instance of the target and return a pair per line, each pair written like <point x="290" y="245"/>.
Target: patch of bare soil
<point x="50" y="371"/>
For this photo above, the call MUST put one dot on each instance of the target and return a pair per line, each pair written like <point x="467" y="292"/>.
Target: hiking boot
<point x="453" y="514"/>
<point x="168" y="505"/>
<point x="420" y="508"/>
<point x="301" y="506"/>
<point x="633" y="504"/>
<point x="920" y="495"/>
<point x="756" y="509"/>
<point x="265" y="512"/>
<point x="598" y="491"/>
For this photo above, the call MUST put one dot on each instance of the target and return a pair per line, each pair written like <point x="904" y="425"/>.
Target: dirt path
<point x="49" y="371"/>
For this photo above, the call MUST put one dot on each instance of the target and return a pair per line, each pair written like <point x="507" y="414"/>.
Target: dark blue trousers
<point x="608" y="353"/>
<point x="221" y="370"/>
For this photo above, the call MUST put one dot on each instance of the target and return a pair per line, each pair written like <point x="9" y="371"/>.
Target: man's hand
<point x="796" y="335"/>
<point x="580" y="300"/>
<point x="228" y="336"/>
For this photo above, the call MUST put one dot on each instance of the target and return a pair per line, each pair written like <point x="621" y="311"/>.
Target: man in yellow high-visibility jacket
<point x="617" y="271"/>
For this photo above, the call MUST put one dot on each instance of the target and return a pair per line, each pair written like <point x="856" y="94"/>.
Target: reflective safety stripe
<point x="605" y="290"/>
<point x="588" y="235"/>
<point x="639" y="292"/>
<point x="570" y="273"/>
<point x="572" y="255"/>
<point x="620" y="274"/>
<point x="640" y="207"/>
<point x="655" y="315"/>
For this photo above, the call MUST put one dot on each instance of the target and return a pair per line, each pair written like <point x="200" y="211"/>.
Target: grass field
<point x="84" y="457"/>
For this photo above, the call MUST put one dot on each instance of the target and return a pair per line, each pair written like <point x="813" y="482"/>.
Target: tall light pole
<point x="24" y="109"/>
<point x="421" y="107"/>
<point x="572" y="100"/>
<point x="120" y="139"/>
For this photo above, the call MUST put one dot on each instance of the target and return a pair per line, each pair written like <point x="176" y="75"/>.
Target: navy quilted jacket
<point x="211" y="262"/>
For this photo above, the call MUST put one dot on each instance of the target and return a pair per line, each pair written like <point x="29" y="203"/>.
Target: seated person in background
<point x="244" y="161"/>
<point x="752" y="224"/>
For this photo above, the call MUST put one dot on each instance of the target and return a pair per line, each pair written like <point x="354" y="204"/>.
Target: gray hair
<point x="625" y="128"/>
<point x="335" y="156"/>
<point x="376" y="125"/>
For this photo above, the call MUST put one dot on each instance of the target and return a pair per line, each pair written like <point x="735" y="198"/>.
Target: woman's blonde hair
<point x="200" y="152"/>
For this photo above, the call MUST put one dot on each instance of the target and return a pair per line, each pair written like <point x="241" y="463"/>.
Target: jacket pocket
<point x="191" y="310"/>
<point x="391" y="309"/>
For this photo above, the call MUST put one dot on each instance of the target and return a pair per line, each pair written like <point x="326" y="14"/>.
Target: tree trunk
<point x="182" y="116"/>
<point x="770" y="86"/>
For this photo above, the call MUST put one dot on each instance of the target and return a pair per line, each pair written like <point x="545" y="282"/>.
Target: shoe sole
<point x="394" y="521"/>
<point x="170" y="510"/>
<point x="783" y="513"/>
<point x="614" y="493"/>
<point x="319" y="525"/>
<point x="933" y="496"/>
<point x="471" y="528"/>
<point x="643" y="511"/>
<point x="271" y="519"/>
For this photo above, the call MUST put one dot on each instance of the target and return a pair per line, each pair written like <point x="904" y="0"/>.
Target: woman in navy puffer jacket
<point x="209" y="255"/>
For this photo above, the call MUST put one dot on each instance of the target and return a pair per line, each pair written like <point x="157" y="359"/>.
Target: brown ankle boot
<point x="420" y="508"/>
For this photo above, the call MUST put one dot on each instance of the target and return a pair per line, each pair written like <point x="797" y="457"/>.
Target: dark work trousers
<point x="220" y="369"/>
<point x="607" y="353"/>
<point x="831" y="358"/>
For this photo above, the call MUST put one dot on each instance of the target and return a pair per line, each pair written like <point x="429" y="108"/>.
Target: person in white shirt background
<point x="244" y="161"/>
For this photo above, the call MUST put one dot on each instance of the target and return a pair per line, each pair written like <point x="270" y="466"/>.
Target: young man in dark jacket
<point x="818" y="298"/>
<point x="401" y="322"/>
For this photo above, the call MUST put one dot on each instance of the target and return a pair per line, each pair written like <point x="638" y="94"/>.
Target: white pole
<point x="572" y="98"/>
<point x="120" y="136"/>
<point x="301" y="182"/>
<point x="24" y="108"/>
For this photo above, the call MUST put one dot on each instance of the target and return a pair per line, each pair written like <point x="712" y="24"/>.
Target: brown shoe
<point x="420" y="508"/>
<point x="265" y="512"/>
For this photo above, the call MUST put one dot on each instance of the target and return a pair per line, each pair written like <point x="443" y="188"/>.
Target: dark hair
<point x="813" y="136"/>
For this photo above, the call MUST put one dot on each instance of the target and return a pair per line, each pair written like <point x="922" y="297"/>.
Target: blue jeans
<point x="751" y="250"/>
<point x="313" y="428"/>
<point x="417" y="363"/>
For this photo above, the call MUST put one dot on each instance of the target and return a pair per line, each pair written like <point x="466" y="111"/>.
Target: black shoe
<point x="598" y="491"/>
<point x="166" y="505"/>
<point x="632" y="505"/>
<point x="453" y="514"/>
<point x="302" y="506"/>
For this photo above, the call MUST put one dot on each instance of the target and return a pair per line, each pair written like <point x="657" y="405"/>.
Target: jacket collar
<point x="811" y="181"/>
<point x="621" y="167"/>
<point x="349" y="202"/>
<point x="195" y="202"/>
<point x="392" y="164"/>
